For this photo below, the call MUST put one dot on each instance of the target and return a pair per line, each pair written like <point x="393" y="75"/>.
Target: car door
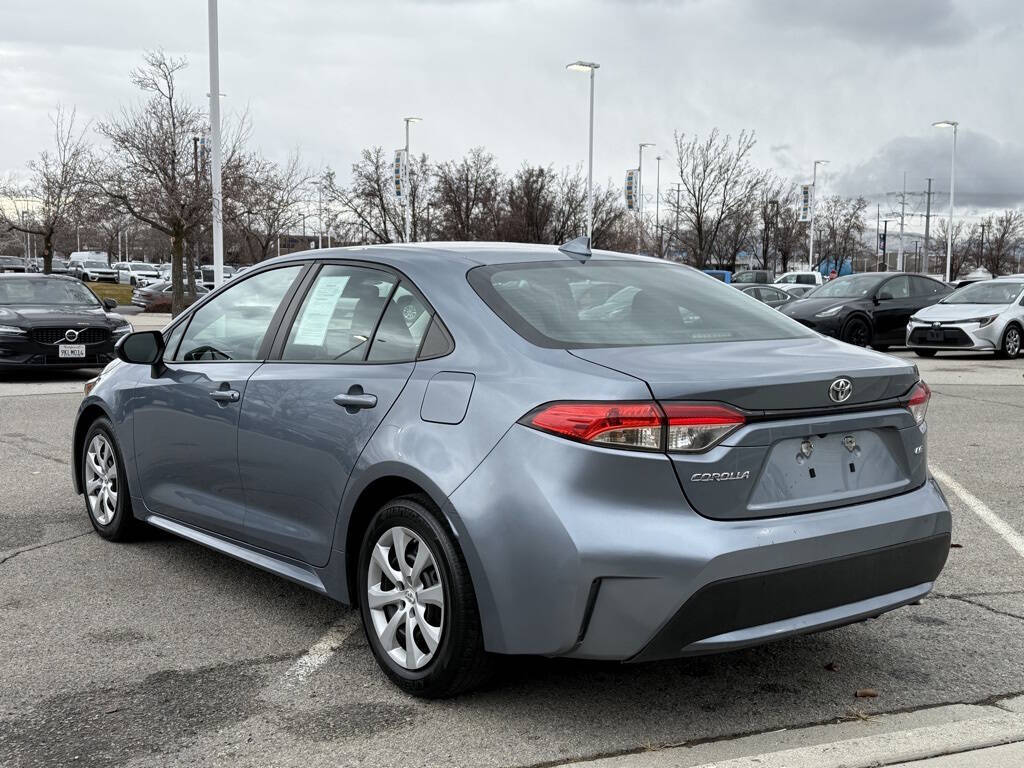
<point x="892" y="311"/>
<point x="340" y="362"/>
<point x="186" y="418"/>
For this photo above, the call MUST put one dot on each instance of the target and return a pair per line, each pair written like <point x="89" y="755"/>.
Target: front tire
<point x="417" y="602"/>
<point x="104" y="484"/>
<point x="1010" y="348"/>
<point x="856" y="332"/>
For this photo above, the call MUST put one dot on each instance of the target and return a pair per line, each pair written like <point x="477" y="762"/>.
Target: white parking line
<point x="978" y="507"/>
<point x="319" y="654"/>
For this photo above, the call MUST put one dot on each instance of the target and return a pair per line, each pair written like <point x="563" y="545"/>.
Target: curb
<point x="897" y="738"/>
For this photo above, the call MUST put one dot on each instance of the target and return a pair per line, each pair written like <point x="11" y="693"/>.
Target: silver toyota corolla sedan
<point x="509" y="449"/>
<point x="985" y="316"/>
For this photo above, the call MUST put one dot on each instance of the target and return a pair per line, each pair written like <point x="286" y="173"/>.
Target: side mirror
<point x="141" y="348"/>
<point x="109" y="303"/>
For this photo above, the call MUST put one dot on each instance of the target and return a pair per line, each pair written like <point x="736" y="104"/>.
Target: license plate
<point x="934" y="334"/>
<point x="71" y="350"/>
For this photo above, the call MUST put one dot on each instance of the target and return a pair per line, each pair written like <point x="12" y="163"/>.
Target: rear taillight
<point x="650" y="426"/>
<point x="620" y="425"/>
<point x="693" y="427"/>
<point x="918" y="402"/>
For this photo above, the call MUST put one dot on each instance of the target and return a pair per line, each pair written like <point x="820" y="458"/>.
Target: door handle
<point x="225" y="395"/>
<point x="354" y="401"/>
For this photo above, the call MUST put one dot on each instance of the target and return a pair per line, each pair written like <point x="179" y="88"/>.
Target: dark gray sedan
<point x="463" y="441"/>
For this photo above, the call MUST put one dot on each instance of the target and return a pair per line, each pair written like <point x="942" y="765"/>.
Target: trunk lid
<point x="782" y="375"/>
<point x="799" y="451"/>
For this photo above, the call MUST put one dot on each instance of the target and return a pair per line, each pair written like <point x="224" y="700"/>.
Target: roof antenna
<point x="578" y="249"/>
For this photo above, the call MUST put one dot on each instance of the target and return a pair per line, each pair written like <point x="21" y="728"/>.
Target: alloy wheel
<point x="1012" y="342"/>
<point x="101" y="486"/>
<point x="405" y="597"/>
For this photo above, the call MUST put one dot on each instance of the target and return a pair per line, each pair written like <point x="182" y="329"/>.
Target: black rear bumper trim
<point x="770" y="596"/>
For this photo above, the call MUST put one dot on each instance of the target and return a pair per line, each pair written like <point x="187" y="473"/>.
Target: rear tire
<point x="1010" y="348"/>
<point x="856" y="332"/>
<point x="925" y="352"/>
<point x="436" y="599"/>
<point x="105" y="486"/>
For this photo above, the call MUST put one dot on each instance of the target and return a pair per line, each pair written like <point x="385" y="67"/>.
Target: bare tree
<point x="267" y="204"/>
<point x="773" y="195"/>
<point x="964" y="251"/>
<point x="1004" y="237"/>
<point x="467" y="193"/>
<point x="55" y="189"/>
<point x="841" y="221"/>
<point x="154" y="170"/>
<point x="717" y="181"/>
<point x="369" y="201"/>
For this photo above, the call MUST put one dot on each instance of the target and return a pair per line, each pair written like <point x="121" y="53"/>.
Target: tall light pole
<point x="814" y="203"/>
<point x="952" y="184"/>
<point x="657" y="204"/>
<point x="218" y="219"/>
<point x="406" y="192"/>
<point x="320" y="214"/>
<point x="591" y="67"/>
<point x="640" y="195"/>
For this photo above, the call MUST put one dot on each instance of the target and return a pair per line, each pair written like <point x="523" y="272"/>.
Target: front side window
<point x="655" y="303"/>
<point x="232" y="326"/>
<point x="896" y="288"/>
<point x="338" y="315"/>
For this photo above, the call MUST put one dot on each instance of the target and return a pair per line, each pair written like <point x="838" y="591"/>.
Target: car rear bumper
<point x="594" y="553"/>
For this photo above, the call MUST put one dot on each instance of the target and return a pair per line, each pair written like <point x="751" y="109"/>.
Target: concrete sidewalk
<point x="953" y="736"/>
<point x="147" y="321"/>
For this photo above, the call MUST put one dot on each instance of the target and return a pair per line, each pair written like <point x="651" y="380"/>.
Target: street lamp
<point x="408" y="165"/>
<point x="640" y="195"/>
<point x="589" y="66"/>
<point x="814" y="202"/>
<point x="952" y="183"/>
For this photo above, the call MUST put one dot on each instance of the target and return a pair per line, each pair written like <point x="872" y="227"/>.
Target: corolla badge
<point x="717" y="477"/>
<point x="839" y="391"/>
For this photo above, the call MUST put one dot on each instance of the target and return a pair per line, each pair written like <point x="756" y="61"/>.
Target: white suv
<point x="136" y="273"/>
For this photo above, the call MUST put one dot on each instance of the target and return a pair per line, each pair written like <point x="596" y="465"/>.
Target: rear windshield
<point x="618" y="303"/>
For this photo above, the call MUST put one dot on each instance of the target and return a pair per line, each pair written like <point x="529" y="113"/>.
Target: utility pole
<point x="679" y="188"/>
<point x="885" y="244"/>
<point x="981" y="253"/>
<point x="927" y="221"/>
<point x="657" y="205"/>
<point x="903" y="209"/>
<point x="878" y="228"/>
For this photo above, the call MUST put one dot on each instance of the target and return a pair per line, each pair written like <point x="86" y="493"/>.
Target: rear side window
<point x="651" y="303"/>
<point x="401" y="329"/>
<point x="805" y="279"/>
<point x="338" y="315"/>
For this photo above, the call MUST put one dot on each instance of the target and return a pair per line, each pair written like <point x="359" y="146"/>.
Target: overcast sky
<point x="858" y="82"/>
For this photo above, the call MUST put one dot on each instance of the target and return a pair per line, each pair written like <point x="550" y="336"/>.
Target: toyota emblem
<point x="839" y="391"/>
<point x="71" y="334"/>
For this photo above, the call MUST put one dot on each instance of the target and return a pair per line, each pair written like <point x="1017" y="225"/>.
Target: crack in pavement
<point x="976" y="604"/>
<point x="978" y="400"/>
<point x="17" y="552"/>
<point x="19" y="445"/>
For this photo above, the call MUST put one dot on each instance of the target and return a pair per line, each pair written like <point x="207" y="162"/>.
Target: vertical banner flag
<point x="806" y="194"/>
<point x="401" y="173"/>
<point x="631" y="189"/>
<point x="881" y="243"/>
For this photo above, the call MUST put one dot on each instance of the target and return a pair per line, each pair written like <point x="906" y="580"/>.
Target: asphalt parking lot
<point x="161" y="652"/>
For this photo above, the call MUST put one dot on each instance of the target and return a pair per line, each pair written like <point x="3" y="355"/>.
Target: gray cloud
<point x="988" y="173"/>
<point x="876" y="23"/>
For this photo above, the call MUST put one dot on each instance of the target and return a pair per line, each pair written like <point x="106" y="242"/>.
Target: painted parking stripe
<point x="318" y="654"/>
<point x="979" y="508"/>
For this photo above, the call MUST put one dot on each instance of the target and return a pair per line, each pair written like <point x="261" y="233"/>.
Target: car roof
<point x="468" y="254"/>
